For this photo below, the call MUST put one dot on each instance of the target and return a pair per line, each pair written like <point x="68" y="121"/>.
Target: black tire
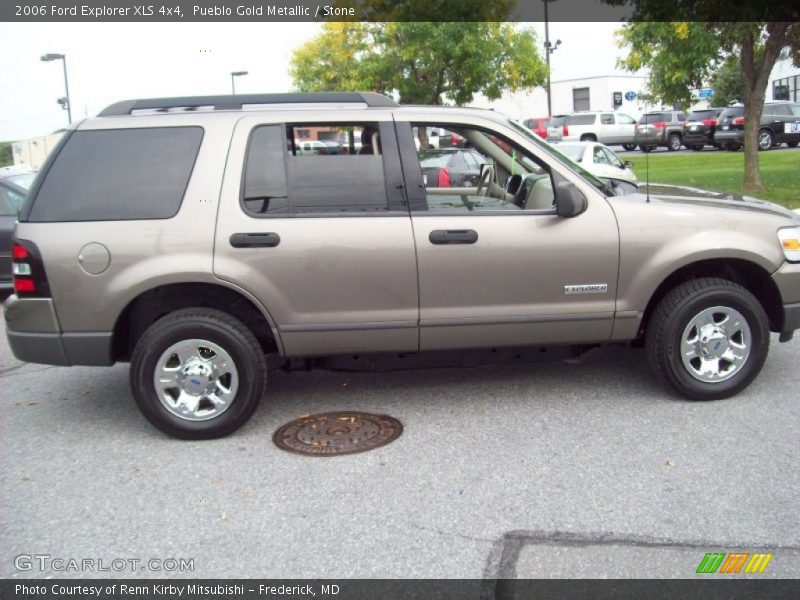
<point x="219" y="328"/>
<point x="646" y="148"/>
<point x="674" y="313"/>
<point x="765" y="139"/>
<point x="674" y="142"/>
<point x="629" y="147"/>
<point x="792" y="144"/>
<point x="589" y="137"/>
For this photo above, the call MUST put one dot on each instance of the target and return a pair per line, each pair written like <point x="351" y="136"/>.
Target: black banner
<point x="392" y="10"/>
<point x="403" y="589"/>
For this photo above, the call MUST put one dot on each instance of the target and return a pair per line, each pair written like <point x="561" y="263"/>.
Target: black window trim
<point x="397" y="205"/>
<point x="33" y="193"/>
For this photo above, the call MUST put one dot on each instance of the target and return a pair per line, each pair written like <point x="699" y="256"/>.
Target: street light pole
<point x="548" y="50"/>
<point x="233" y="84"/>
<point x="64" y="102"/>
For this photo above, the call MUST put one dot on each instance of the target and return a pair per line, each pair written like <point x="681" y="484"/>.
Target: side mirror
<point x="627" y="164"/>
<point x="570" y="201"/>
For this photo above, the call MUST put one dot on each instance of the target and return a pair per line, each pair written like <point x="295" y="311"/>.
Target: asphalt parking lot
<point x="580" y="468"/>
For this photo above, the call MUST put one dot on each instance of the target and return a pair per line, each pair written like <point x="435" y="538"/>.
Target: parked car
<point x="607" y="127"/>
<point x="660" y="128"/>
<point x="699" y="128"/>
<point x="538" y="126"/>
<point x="600" y="160"/>
<point x="202" y="251"/>
<point x="780" y="123"/>
<point x="557" y="128"/>
<point x="18" y="175"/>
<point x="451" y="167"/>
<point x="11" y="198"/>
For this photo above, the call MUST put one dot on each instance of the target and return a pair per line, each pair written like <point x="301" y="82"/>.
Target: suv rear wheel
<point x="674" y="142"/>
<point x="198" y="373"/>
<point x="708" y="338"/>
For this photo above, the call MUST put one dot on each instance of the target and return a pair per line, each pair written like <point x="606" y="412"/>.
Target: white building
<point x="571" y="95"/>
<point x="784" y="81"/>
<point x="33" y="152"/>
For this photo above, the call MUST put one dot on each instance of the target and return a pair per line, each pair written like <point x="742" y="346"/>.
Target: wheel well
<point x="148" y="307"/>
<point x="747" y="274"/>
<point x="588" y="137"/>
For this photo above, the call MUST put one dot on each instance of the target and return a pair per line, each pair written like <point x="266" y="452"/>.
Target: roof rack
<point x="127" y="107"/>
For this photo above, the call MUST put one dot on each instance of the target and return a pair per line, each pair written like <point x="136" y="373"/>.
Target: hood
<point x="676" y="194"/>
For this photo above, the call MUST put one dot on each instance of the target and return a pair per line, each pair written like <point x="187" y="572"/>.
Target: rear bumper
<point x="34" y="335"/>
<point x="698" y="137"/>
<point x="731" y="135"/>
<point x="655" y="139"/>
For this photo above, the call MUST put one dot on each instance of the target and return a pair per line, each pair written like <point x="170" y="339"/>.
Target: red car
<point x="538" y="126"/>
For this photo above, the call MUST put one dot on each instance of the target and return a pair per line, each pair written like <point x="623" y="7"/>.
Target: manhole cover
<point x="329" y="434"/>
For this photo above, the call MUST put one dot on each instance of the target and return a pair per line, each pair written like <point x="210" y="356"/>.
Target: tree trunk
<point x="755" y="74"/>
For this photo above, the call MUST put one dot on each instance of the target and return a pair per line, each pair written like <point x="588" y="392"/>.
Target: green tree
<point x="420" y="62"/>
<point x="727" y="82"/>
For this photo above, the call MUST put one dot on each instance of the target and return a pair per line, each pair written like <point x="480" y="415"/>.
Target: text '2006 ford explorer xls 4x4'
<point x="191" y="237"/>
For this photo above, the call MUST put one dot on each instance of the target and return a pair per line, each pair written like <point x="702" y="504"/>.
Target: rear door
<point x="323" y="241"/>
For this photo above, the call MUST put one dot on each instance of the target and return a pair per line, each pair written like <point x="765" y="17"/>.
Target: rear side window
<point x="699" y="115"/>
<point x="118" y="174"/>
<point x="580" y="119"/>
<point x="315" y="168"/>
<point x="733" y="111"/>
<point x="654" y="118"/>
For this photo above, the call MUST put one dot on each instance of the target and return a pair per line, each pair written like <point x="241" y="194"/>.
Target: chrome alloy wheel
<point x="196" y="380"/>
<point x="716" y="344"/>
<point x="764" y="140"/>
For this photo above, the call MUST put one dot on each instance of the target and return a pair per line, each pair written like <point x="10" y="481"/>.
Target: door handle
<point x="453" y="236"/>
<point x="255" y="240"/>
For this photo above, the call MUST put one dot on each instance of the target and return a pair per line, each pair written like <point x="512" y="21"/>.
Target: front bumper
<point x="34" y="335"/>
<point x="787" y="278"/>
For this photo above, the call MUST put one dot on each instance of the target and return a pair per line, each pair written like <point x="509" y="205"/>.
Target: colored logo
<point x="734" y="562"/>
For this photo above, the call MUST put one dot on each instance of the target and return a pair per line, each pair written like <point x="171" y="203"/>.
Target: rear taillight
<point x="709" y="122"/>
<point x="738" y="121"/>
<point x="565" y="130"/>
<point x="444" y="177"/>
<point x="660" y="124"/>
<point x="454" y="140"/>
<point x="27" y="270"/>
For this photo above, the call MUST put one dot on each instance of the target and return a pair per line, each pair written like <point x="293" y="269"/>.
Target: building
<point x="32" y="152"/>
<point x="605" y="92"/>
<point x="784" y="81"/>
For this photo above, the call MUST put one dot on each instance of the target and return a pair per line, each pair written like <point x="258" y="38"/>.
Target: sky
<point x="108" y="62"/>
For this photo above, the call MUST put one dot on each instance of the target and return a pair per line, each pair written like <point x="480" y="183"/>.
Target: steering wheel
<point x="487" y="177"/>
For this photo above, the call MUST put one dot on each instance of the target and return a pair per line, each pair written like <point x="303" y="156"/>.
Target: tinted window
<point x="607" y="119"/>
<point x="681" y="116"/>
<point x="625" y="120"/>
<point x="580" y="119"/>
<point x="699" y="115"/>
<point x="340" y="169"/>
<point x="777" y="109"/>
<point x="557" y="121"/>
<point x="733" y="111"/>
<point x="795" y="110"/>
<point x="119" y="174"/>
<point x="654" y="118"/>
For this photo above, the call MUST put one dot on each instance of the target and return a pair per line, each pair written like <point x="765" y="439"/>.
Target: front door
<point x="497" y="266"/>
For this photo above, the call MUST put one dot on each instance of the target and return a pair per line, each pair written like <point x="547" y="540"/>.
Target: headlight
<point x="790" y="241"/>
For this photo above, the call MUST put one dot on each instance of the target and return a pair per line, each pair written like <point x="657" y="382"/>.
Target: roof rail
<point x="127" y="107"/>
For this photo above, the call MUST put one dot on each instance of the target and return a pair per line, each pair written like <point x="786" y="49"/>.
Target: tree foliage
<point x="727" y="82"/>
<point x="420" y="62"/>
<point x="681" y="57"/>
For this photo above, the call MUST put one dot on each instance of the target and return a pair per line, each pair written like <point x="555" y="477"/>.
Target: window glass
<point x="580" y="119"/>
<point x="654" y="118"/>
<point x="612" y="158"/>
<point x="625" y="120"/>
<point x="607" y="119"/>
<point x="119" y="174"/>
<point x="265" y="186"/>
<point x="796" y="110"/>
<point x="10" y="202"/>
<point x="450" y="189"/>
<point x="599" y="157"/>
<point x="573" y="151"/>
<point x="580" y="99"/>
<point x="681" y="116"/>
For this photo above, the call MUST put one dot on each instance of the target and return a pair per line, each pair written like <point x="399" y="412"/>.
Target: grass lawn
<point x="780" y="172"/>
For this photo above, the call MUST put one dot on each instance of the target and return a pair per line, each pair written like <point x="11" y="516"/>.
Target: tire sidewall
<point x="677" y="322"/>
<point x="250" y="376"/>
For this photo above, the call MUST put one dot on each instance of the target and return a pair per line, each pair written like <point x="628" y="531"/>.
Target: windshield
<point x="573" y="151"/>
<point x="554" y="151"/>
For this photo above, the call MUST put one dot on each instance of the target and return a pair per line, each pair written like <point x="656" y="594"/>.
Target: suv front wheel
<point x="198" y="373"/>
<point x="708" y="338"/>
